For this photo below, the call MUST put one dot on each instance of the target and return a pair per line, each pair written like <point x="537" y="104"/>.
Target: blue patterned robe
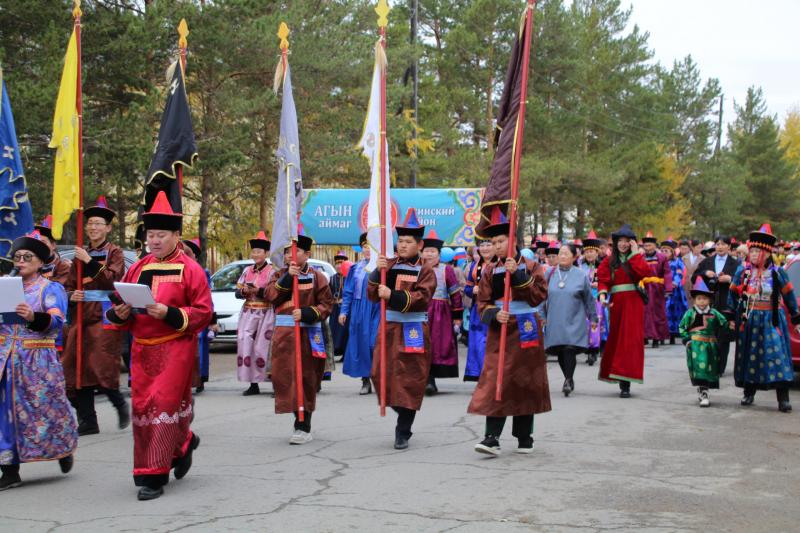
<point x="764" y="355"/>
<point x="677" y="305"/>
<point x="36" y="420"/>
<point x="363" y="320"/>
<point x="477" y="329"/>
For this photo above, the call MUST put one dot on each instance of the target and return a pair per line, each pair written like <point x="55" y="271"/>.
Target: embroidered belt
<point x="153" y="341"/>
<point x="516" y="307"/>
<point x="286" y="321"/>
<point x="257" y="305"/>
<point x="625" y="287"/>
<point x="651" y="279"/>
<point x="397" y="316"/>
<point x="704" y="338"/>
<point x="96" y="296"/>
<point x="31" y="343"/>
<point x="762" y="306"/>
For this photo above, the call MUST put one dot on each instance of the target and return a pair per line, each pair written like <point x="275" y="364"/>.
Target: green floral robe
<point x="699" y="332"/>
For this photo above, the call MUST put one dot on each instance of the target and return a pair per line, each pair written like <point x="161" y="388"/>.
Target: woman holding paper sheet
<point x="36" y="421"/>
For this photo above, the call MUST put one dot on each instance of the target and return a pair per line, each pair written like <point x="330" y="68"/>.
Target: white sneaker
<point x="704" y="401"/>
<point x="300" y="437"/>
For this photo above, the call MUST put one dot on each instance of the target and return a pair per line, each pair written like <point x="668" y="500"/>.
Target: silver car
<point x="227" y="306"/>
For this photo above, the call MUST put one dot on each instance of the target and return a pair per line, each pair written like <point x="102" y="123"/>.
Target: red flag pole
<point x="383" y="222"/>
<point x="183" y="31"/>
<point x="283" y="33"/>
<point x="512" y="210"/>
<point x="76" y="13"/>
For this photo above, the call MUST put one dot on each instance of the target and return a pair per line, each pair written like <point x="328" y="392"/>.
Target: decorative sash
<point x="315" y="337"/>
<point x="526" y="322"/>
<point x="413" y="332"/>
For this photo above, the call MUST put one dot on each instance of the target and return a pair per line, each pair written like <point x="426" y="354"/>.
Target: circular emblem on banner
<point x="363" y="214"/>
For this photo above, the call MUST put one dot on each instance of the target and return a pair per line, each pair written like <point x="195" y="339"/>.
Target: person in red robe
<point x="314" y="305"/>
<point x="618" y="277"/>
<point x="163" y="351"/>
<point x="525" y="388"/>
<point x="410" y="284"/>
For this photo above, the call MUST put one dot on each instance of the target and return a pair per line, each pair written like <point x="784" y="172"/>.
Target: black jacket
<point x="720" y="302"/>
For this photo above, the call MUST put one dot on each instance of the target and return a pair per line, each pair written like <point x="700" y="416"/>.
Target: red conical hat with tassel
<point x="161" y="216"/>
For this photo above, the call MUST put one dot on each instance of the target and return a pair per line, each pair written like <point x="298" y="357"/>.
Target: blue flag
<point x="16" y="217"/>
<point x="289" y="196"/>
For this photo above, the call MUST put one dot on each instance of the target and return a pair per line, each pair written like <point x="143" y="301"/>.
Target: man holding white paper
<point x="103" y="264"/>
<point x="163" y="351"/>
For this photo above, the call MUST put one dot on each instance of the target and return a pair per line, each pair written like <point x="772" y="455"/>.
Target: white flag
<point x="370" y="146"/>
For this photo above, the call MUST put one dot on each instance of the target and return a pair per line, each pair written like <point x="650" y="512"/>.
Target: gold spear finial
<point x="76" y="10"/>
<point x="183" y="31"/>
<point x="382" y="10"/>
<point x="283" y="33"/>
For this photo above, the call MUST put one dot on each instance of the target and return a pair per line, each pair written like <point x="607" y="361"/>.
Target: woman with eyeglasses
<point x="36" y="421"/>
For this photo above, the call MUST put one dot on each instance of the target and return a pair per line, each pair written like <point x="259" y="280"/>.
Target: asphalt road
<point x="655" y="462"/>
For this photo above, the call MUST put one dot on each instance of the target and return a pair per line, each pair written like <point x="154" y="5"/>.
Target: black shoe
<point x="146" y="493"/>
<point x="88" y="428"/>
<point x="672" y="340"/>
<point x="525" y="446"/>
<point x="567" y="388"/>
<point x="252" y="391"/>
<point x="591" y="359"/>
<point x="430" y="389"/>
<point x="326" y="376"/>
<point x="784" y="406"/>
<point x="655" y="343"/>
<point x="65" y="463"/>
<point x="748" y="399"/>
<point x="400" y="443"/>
<point x="366" y="387"/>
<point x="624" y="389"/>
<point x="200" y="388"/>
<point x="124" y="416"/>
<point x="10" y="481"/>
<point x="185" y="462"/>
<point x="489" y="446"/>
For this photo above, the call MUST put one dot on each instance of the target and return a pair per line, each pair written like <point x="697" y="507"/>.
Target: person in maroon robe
<point x="618" y="277"/>
<point x="445" y="312"/>
<point x="525" y="390"/>
<point x="409" y="287"/>
<point x="659" y="287"/>
<point x="55" y="268"/>
<point x="103" y="264"/>
<point x="314" y="305"/>
<point x="163" y="351"/>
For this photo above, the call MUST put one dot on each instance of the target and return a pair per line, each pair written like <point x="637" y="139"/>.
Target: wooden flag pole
<point x="183" y="32"/>
<point x="512" y="210"/>
<point x="283" y="33"/>
<point x="383" y="11"/>
<point x="76" y="13"/>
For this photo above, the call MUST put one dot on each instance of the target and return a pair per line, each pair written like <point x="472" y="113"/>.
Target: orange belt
<point x="256" y="305"/>
<point x="762" y="306"/>
<point x="704" y="338"/>
<point x="31" y="343"/>
<point x="651" y="279"/>
<point x="153" y="341"/>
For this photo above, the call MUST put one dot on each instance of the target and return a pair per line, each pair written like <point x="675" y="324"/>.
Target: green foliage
<point x="611" y="136"/>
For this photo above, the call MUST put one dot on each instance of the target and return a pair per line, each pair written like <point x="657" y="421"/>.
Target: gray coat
<point x="567" y="309"/>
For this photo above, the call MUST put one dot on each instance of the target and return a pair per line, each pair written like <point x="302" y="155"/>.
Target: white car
<point x="227" y="306"/>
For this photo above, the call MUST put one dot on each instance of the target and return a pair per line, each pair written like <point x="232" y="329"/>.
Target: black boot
<point x="431" y="389"/>
<point x="672" y="340"/>
<point x="366" y="387"/>
<point x="183" y="464"/>
<point x="749" y="397"/>
<point x="624" y="389"/>
<point x="150" y="493"/>
<point x="252" y="391"/>
<point x="591" y="358"/>
<point x="65" y="463"/>
<point x="10" y="477"/>
<point x="655" y="343"/>
<point x="783" y="400"/>
<point x="86" y="413"/>
<point x="119" y="403"/>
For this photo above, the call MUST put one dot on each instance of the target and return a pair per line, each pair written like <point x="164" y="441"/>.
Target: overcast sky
<point x="740" y="42"/>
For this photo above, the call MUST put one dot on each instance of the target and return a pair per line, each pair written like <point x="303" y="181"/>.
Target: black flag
<point x="176" y="144"/>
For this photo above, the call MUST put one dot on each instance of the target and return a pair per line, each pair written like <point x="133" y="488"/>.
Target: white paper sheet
<point x="11" y="294"/>
<point x="136" y="295"/>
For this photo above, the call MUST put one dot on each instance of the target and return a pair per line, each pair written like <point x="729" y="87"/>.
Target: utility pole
<point x="414" y="12"/>
<point x="718" y="147"/>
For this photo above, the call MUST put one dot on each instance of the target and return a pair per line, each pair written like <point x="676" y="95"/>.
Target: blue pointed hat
<point x="700" y="287"/>
<point x="411" y="225"/>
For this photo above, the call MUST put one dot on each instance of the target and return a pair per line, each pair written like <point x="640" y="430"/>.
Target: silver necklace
<point x="561" y="282"/>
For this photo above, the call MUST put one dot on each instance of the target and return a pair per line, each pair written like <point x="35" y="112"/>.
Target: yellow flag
<point x="66" y="186"/>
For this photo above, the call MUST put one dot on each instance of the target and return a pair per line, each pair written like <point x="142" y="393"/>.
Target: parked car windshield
<point x="225" y="278"/>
